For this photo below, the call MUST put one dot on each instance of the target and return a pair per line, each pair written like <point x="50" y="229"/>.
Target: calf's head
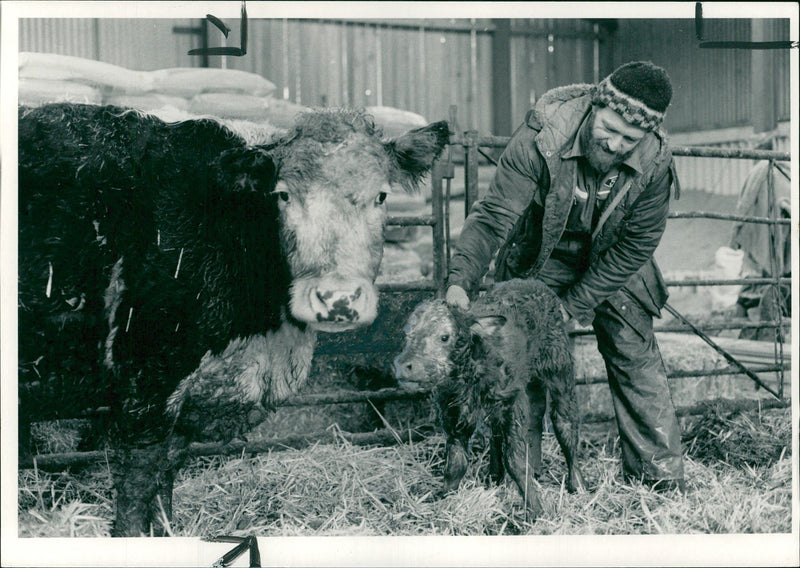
<point x="442" y="342"/>
<point x="334" y="175"/>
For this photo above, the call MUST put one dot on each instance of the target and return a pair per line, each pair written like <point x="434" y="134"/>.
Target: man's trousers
<point x="649" y="432"/>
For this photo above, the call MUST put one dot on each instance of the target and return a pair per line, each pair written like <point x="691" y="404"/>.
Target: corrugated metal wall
<point x="712" y="90"/>
<point x="424" y="68"/>
<point x="712" y="85"/>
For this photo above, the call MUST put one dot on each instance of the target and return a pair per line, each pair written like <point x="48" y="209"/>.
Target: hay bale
<point x="400" y="264"/>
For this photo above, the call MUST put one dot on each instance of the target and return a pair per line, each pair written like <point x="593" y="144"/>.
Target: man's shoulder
<point x="568" y="99"/>
<point x="654" y="152"/>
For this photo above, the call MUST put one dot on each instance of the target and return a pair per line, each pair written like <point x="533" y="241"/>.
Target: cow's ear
<point x="249" y="169"/>
<point x="413" y="153"/>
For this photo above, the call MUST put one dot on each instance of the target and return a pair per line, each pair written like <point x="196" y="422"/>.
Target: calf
<point x="179" y="276"/>
<point x="496" y="362"/>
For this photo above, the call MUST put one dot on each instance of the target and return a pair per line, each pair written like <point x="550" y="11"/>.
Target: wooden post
<point x="762" y="82"/>
<point x="501" y="78"/>
<point x="470" y="169"/>
<point x="437" y="206"/>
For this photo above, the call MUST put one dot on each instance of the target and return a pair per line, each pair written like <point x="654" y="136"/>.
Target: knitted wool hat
<point x="639" y="91"/>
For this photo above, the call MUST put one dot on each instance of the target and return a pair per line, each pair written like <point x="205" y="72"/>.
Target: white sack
<point x="40" y="91"/>
<point x="190" y="81"/>
<point x="105" y="76"/>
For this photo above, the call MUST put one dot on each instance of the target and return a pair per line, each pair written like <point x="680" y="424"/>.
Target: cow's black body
<point x="169" y="273"/>
<point x="127" y="201"/>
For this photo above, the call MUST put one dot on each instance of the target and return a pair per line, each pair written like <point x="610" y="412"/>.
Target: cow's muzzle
<point x="335" y="304"/>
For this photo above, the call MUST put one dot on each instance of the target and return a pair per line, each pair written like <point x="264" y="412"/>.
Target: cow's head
<point x="334" y="175"/>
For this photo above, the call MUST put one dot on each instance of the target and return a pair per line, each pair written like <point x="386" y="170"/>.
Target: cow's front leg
<point x="143" y="480"/>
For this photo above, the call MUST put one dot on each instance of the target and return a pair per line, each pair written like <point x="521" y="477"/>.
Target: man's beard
<point x="600" y="158"/>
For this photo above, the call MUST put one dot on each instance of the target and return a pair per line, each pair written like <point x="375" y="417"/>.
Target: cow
<point x="179" y="276"/>
<point x="497" y="363"/>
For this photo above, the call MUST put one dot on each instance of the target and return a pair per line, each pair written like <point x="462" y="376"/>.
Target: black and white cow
<point x="179" y="276"/>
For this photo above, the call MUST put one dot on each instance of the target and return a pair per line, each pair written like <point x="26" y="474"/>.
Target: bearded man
<point x="579" y="201"/>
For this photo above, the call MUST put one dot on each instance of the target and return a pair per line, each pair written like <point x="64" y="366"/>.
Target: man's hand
<point x="457" y="297"/>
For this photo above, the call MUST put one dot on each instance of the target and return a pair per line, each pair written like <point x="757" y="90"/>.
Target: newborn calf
<point x="496" y="362"/>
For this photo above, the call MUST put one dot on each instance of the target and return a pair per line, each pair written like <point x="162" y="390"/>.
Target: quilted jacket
<point x="525" y="210"/>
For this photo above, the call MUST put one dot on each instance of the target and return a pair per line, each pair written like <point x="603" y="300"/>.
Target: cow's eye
<point x="381" y="198"/>
<point x="445" y="338"/>
<point x="283" y="195"/>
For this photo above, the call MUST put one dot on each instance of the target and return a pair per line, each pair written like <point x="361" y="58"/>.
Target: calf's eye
<point x="445" y="338"/>
<point x="283" y="195"/>
<point x="381" y="198"/>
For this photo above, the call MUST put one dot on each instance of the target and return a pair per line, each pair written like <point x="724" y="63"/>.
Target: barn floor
<point x="739" y="472"/>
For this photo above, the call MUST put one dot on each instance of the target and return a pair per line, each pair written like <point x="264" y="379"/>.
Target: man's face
<point x="610" y="140"/>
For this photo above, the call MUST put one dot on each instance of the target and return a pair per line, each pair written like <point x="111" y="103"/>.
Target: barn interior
<point x="731" y="110"/>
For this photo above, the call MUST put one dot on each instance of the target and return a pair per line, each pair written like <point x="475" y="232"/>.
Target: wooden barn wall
<point x="712" y="85"/>
<point x="547" y="53"/>
<point x="427" y="65"/>
<point x="423" y="68"/>
<point x="142" y="44"/>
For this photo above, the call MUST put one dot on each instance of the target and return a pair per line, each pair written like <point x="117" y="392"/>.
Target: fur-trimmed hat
<point x="639" y="91"/>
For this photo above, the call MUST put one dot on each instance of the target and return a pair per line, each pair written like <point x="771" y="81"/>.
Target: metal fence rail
<point x="472" y="143"/>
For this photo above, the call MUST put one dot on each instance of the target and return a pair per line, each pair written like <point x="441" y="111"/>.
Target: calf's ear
<point x="249" y="169"/>
<point x="486" y="326"/>
<point x="412" y="154"/>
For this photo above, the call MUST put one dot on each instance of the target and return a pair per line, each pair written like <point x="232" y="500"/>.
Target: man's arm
<point x="643" y="232"/>
<point x="491" y="219"/>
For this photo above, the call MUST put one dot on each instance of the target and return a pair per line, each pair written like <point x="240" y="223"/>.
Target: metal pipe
<point x="726" y="217"/>
<point x="721" y="351"/>
<point x="417" y="285"/>
<point x="774" y="268"/>
<point x="411" y="220"/>
<point x="697" y="282"/>
<point x="385" y="437"/>
<point x="692" y="151"/>
<point x="729" y="282"/>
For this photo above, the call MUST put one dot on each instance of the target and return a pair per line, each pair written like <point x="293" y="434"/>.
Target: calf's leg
<point x="455" y="463"/>
<point x="496" y="469"/>
<point x="564" y="415"/>
<point x="516" y="454"/>
<point x="538" y="404"/>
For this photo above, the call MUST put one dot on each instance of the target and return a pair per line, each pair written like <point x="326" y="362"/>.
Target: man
<point x="580" y="200"/>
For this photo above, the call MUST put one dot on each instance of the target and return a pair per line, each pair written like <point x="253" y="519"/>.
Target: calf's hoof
<point x="451" y="484"/>
<point x="575" y="483"/>
<point x="533" y="511"/>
